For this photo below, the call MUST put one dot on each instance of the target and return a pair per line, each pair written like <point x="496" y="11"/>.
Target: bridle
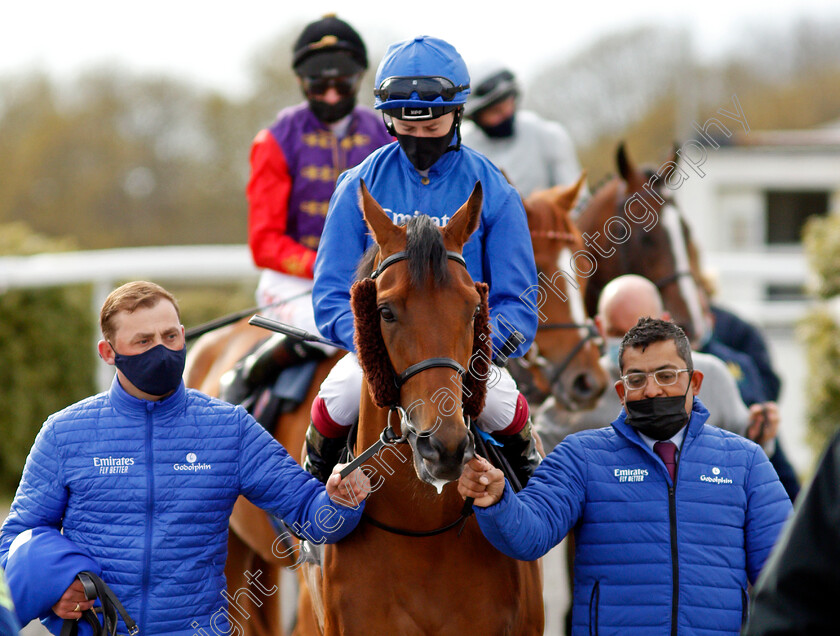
<point x="389" y="435"/>
<point x="660" y="283"/>
<point x="429" y="363"/>
<point x="553" y="372"/>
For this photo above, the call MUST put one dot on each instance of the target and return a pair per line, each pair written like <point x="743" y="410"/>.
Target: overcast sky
<point x="212" y="43"/>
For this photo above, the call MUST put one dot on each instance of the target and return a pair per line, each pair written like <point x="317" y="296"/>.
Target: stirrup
<point x="520" y="452"/>
<point x="322" y="453"/>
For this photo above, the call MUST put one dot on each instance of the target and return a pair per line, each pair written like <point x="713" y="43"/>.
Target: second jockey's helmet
<point x="329" y="47"/>
<point x="493" y="82"/>
<point x="421" y="78"/>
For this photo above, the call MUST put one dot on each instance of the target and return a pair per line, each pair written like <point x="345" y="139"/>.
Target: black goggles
<point x="427" y="88"/>
<point x="344" y="85"/>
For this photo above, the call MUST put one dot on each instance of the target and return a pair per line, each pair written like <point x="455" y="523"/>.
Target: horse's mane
<point x="605" y="180"/>
<point x="367" y="262"/>
<point x="424" y="248"/>
<point x="426" y="252"/>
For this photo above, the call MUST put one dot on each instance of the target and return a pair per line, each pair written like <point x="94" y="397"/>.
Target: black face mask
<point x="500" y="130"/>
<point x="423" y="152"/>
<point x="330" y="113"/>
<point x="659" y="418"/>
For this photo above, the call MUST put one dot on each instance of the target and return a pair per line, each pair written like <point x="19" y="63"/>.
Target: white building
<point x="746" y="213"/>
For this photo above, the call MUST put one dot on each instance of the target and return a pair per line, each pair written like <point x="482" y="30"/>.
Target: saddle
<point x="96" y="588"/>
<point x="272" y="378"/>
<point x="267" y="403"/>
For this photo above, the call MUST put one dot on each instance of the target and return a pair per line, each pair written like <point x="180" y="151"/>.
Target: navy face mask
<point x="157" y="371"/>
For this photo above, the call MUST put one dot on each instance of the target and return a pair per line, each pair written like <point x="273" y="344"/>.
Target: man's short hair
<point x="128" y="298"/>
<point x="648" y="331"/>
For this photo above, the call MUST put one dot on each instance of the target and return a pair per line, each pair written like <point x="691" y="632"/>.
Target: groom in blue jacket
<point x="673" y="518"/>
<point x="137" y="484"/>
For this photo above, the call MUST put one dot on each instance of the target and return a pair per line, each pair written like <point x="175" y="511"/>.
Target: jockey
<point x="294" y="167"/>
<point x="422" y="85"/>
<point x="534" y="153"/>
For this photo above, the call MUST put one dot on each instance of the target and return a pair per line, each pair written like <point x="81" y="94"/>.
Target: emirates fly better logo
<point x="113" y="465"/>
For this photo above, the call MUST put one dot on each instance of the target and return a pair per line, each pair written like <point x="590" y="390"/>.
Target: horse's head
<point x="636" y="228"/>
<point x="564" y="358"/>
<point x="422" y="334"/>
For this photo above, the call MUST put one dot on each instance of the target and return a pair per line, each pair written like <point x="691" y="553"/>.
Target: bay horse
<point x="419" y="312"/>
<point x="564" y="359"/>
<point x="253" y="540"/>
<point x="631" y="225"/>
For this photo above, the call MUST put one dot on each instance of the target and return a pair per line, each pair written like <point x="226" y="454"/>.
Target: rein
<point x="389" y="436"/>
<point x="96" y="588"/>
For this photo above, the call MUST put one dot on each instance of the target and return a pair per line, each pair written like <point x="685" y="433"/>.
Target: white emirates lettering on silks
<point x="113" y="465"/>
<point x="630" y="474"/>
<point x="679" y="248"/>
<point x="401" y="218"/>
<point x="573" y="293"/>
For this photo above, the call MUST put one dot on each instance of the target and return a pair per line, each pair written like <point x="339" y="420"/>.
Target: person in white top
<point x="534" y="153"/>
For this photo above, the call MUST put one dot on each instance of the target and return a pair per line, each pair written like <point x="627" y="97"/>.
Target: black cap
<point x="329" y="47"/>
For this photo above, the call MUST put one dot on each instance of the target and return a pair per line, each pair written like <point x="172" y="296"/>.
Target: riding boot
<point x="521" y="453"/>
<point x="262" y="366"/>
<point x="322" y="453"/>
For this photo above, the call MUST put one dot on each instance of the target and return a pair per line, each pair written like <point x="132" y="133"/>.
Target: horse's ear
<point x="383" y="228"/>
<point x="622" y="160"/>
<point x="465" y="221"/>
<point x="566" y="196"/>
<point x="675" y="152"/>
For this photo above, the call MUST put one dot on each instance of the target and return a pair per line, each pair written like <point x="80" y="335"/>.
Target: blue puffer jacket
<point x="146" y="488"/>
<point x="650" y="559"/>
<point x="498" y="253"/>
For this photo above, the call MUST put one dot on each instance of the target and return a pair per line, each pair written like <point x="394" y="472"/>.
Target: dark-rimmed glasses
<point x="427" y="88"/>
<point x="663" y="377"/>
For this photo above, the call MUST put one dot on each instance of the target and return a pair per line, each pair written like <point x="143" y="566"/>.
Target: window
<point x="788" y="210"/>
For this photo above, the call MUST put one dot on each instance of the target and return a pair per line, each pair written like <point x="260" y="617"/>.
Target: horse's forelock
<point x="426" y="252"/>
<point x="367" y="263"/>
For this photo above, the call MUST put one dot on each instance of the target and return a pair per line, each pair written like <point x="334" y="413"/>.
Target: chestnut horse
<point x="564" y="359"/>
<point x="253" y="544"/>
<point x="632" y="226"/>
<point x="419" y="312"/>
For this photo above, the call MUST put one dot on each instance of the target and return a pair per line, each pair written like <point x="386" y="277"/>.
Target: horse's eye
<point x="386" y="314"/>
<point x="477" y="311"/>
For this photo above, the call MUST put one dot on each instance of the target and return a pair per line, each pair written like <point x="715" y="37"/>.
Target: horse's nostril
<point x="582" y="385"/>
<point x="434" y="450"/>
<point x="428" y="447"/>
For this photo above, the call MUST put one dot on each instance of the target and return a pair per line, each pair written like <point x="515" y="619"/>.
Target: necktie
<point x="668" y="452"/>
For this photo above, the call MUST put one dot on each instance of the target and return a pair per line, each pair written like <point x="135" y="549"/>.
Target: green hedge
<point x="820" y="331"/>
<point x="47" y="355"/>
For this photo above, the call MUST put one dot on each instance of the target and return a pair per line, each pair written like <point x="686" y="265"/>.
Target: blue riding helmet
<point x="424" y="74"/>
